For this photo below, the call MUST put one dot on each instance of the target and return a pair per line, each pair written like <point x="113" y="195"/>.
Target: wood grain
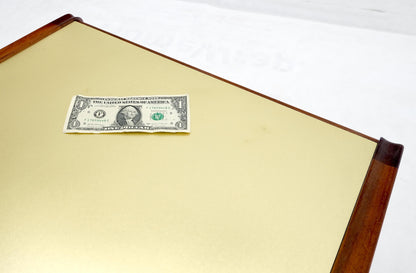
<point x="36" y="36"/>
<point x="360" y="240"/>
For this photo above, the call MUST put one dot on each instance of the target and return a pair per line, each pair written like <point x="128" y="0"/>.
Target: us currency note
<point x="128" y="114"/>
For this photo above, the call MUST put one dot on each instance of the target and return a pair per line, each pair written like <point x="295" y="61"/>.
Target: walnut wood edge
<point x="360" y="239"/>
<point x="35" y="36"/>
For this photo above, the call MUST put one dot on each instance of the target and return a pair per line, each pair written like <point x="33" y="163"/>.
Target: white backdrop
<point x="388" y="15"/>
<point x="361" y="78"/>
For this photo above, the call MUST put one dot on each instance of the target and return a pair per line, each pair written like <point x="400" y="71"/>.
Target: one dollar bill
<point x="128" y="114"/>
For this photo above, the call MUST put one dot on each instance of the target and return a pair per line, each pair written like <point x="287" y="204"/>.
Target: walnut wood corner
<point x="36" y="36"/>
<point x="360" y="239"/>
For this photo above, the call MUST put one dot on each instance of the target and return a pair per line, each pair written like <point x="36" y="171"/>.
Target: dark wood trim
<point x="360" y="239"/>
<point x="389" y="153"/>
<point x="36" y="36"/>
